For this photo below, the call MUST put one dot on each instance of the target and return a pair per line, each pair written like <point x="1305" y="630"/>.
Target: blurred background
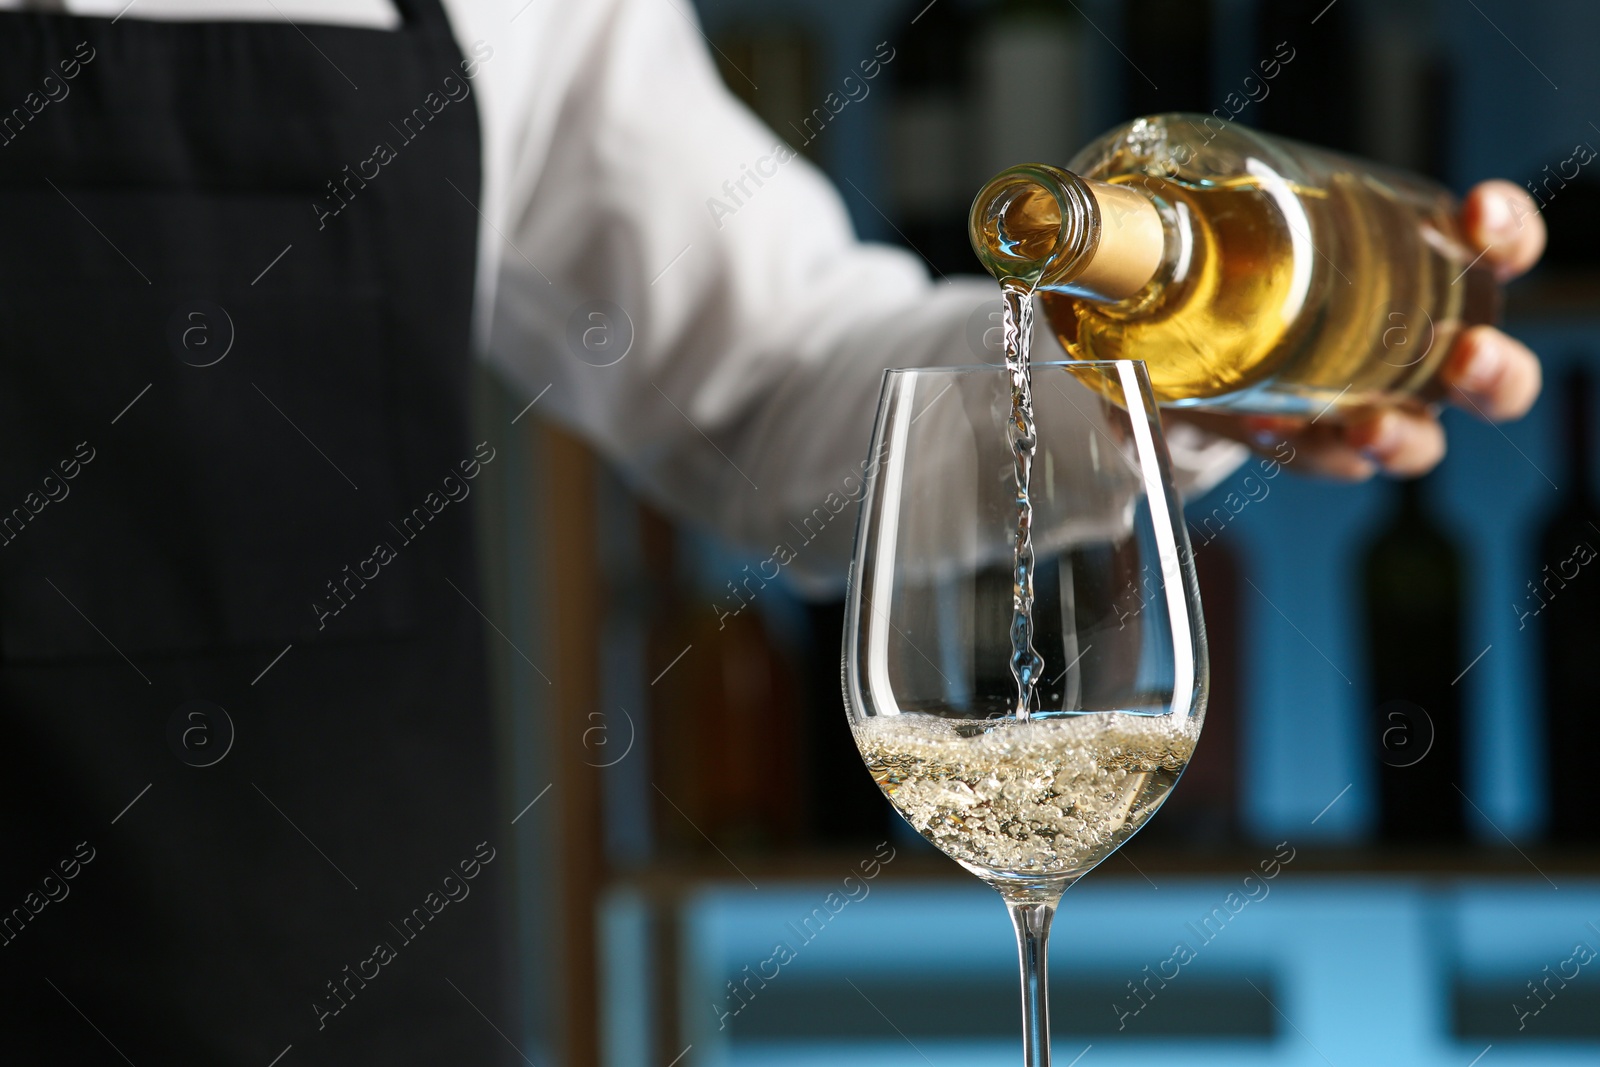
<point x="1404" y="706"/>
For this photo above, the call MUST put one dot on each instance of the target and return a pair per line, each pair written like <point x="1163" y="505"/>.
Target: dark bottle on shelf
<point x="1311" y="100"/>
<point x="1169" y="42"/>
<point x="723" y="715"/>
<point x="1563" y="602"/>
<point x="1029" y="86"/>
<point x="928" y="133"/>
<point x="1412" y="584"/>
<point x="1571" y="210"/>
<point x="1206" y="811"/>
<point x="846" y="806"/>
<point x="1405" y="82"/>
<point x="780" y="58"/>
<point x="1212" y="777"/>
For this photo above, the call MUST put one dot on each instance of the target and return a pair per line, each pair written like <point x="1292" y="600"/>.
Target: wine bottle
<point x="1412" y="585"/>
<point x="1249" y="273"/>
<point x="1563" y="602"/>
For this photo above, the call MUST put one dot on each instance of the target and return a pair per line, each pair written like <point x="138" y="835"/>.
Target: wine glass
<point x="1026" y="797"/>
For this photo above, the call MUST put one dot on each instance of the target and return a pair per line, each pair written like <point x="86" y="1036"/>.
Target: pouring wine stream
<point x="1017" y="331"/>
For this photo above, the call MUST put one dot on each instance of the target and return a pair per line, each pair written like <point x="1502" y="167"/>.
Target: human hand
<point x="1487" y="372"/>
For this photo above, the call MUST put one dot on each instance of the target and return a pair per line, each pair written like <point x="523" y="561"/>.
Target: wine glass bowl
<point x="1028" y="798"/>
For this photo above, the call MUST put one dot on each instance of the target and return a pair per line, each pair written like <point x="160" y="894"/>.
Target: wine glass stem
<point x="1032" y="922"/>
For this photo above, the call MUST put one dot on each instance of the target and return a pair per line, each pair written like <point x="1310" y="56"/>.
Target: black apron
<point x="245" y="766"/>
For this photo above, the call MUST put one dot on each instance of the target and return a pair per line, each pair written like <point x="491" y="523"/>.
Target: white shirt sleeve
<point x="756" y="326"/>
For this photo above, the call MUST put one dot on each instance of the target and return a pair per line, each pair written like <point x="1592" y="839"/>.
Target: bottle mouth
<point x="1033" y="223"/>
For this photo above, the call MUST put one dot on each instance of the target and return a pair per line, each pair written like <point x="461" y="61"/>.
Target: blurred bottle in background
<point x="1170" y="64"/>
<point x="1413" y="596"/>
<point x="1315" y="99"/>
<point x="974" y="87"/>
<point x="724" y="710"/>
<point x="780" y="58"/>
<point x="927" y="116"/>
<point x="845" y="805"/>
<point x="1209" y="811"/>
<point x="1405" y="86"/>
<point x="1571" y="210"/>
<point x="1563" y="602"/>
<point x="1028" y="81"/>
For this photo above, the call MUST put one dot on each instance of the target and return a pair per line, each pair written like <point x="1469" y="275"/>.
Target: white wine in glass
<point x="1026" y="776"/>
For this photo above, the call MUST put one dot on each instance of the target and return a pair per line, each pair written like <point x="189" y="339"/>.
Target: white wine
<point x="1036" y="799"/>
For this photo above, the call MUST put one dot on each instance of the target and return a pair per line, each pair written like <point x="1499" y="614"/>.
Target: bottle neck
<point x="1044" y="227"/>
<point x="1412" y="505"/>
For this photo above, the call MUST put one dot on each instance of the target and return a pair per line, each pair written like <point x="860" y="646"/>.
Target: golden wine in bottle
<point x="1249" y="272"/>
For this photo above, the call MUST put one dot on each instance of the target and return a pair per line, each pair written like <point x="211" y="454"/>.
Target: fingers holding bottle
<point x="1503" y="222"/>
<point x="1492" y="374"/>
